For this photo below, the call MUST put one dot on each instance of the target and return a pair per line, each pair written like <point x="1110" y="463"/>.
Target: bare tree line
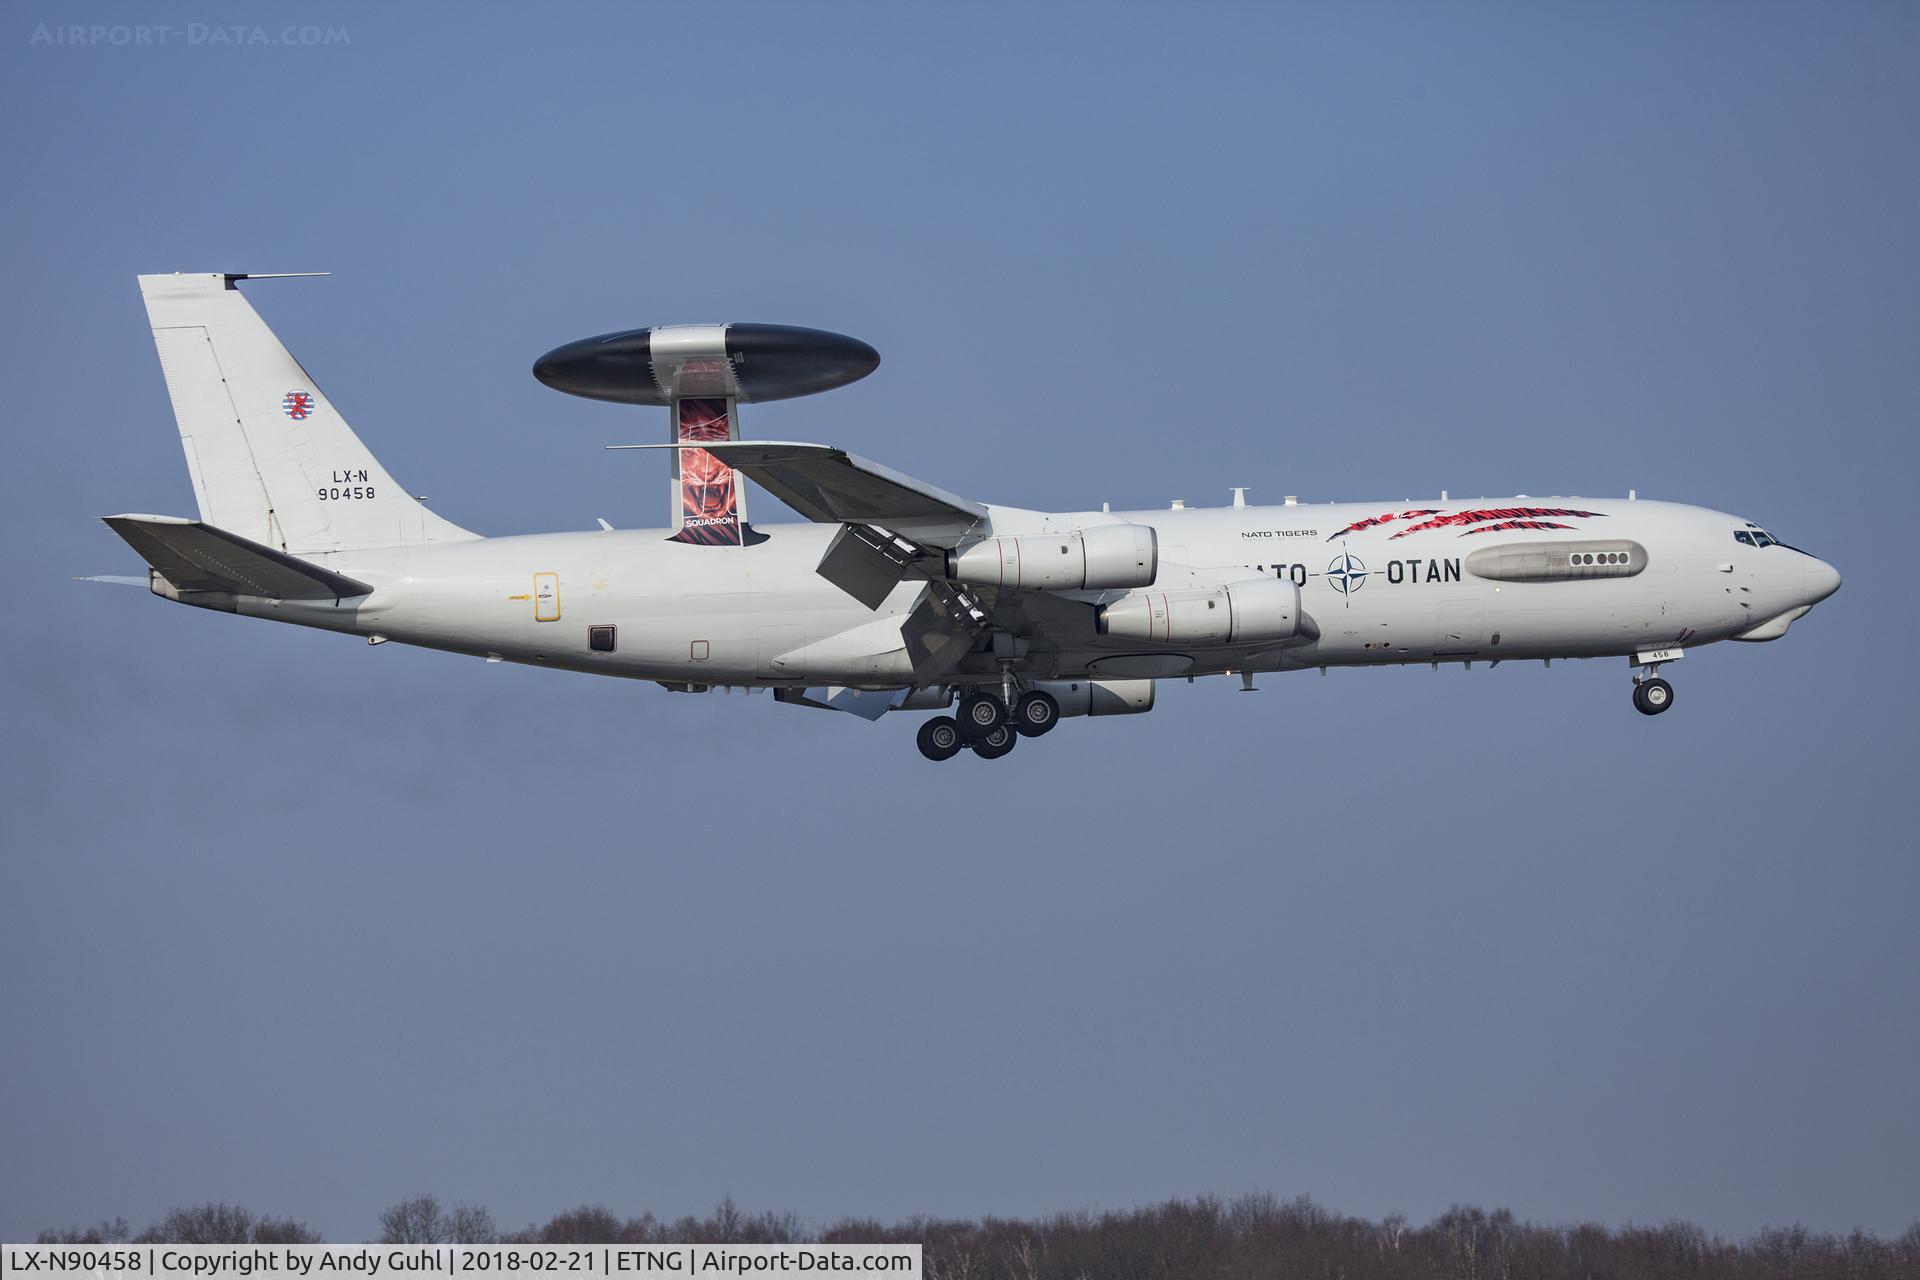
<point x="421" y="1220"/>
<point x="1255" y="1237"/>
<point x="197" y="1224"/>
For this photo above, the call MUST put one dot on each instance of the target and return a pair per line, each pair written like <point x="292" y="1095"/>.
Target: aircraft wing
<point x="833" y="486"/>
<point x="198" y="557"/>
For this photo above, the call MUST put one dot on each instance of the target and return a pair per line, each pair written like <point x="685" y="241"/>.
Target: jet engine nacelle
<point x="1108" y="557"/>
<point x="1100" y="697"/>
<point x="1257" y="611"/>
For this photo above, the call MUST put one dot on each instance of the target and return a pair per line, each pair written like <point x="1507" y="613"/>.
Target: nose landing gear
<point x="1651" y="694"/>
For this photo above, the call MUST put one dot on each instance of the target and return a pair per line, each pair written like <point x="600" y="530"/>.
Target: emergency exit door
<point x="546" y="597"/>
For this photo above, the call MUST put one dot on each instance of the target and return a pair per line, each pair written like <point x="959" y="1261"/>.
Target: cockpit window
<point x="1761" y="538"/>
<point x="1741" y="535"/>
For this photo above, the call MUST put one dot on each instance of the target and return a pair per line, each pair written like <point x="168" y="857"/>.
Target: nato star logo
<point x="1347" y="573"/>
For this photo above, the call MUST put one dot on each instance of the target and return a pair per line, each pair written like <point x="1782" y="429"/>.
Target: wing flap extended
<point x="866" y="563"/>
<point x="833" y="486"/>
<point x="193" y="556"/>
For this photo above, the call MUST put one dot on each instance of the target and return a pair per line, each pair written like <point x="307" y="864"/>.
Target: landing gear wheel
<point x="980" y="714"/>
<point x="1035" y="714"/>
<point x="1651" y="697"/>
<point x="996" y="744"/>
<point x="939" y="738"/>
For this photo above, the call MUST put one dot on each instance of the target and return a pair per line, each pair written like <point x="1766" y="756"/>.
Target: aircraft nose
<point x="1822" y="581"/>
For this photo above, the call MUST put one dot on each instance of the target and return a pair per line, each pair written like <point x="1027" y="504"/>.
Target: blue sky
<point x="312" y="926"/>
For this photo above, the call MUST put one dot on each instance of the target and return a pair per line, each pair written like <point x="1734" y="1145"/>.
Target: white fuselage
<point x="1394" y="592"/>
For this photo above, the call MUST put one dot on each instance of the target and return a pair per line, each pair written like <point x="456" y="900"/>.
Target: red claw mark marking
<point x="1495" y="513"/>
<point x="1373" y="521"/>
<point x="1514" y="524"/>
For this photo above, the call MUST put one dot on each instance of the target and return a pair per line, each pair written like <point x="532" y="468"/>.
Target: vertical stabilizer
<point x="271" y="459"/>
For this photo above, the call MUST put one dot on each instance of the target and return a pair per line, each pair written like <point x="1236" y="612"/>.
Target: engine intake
<point x="1257" y="611"/>
<point x="1110" y="557"/>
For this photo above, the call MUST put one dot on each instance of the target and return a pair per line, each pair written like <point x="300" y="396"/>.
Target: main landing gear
<point x="983" y="723"/>
<point x="980" y="714"/>
<point x="996" y="744"/>
<point x="940" y="738"/>
<point x="1651" y="694"/>
<point x="1036" y="713"/>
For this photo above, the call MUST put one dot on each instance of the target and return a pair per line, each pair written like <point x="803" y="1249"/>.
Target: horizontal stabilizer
<point x="836" y="487"/>
<point x="198" y="557"/>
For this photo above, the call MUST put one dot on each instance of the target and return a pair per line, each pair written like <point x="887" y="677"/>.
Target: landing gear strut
<point x="1651" y="694"/>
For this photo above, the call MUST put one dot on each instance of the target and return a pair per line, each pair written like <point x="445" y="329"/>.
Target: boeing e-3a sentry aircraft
<point x="900" y="596"/>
